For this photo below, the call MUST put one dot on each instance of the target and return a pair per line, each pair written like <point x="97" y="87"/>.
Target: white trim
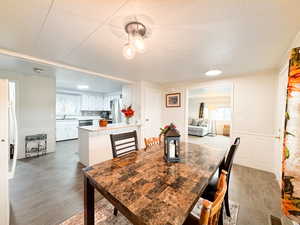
<point x="60" y="65"/>
<point x="254" y="134"/>
<point x="4" y="196"/>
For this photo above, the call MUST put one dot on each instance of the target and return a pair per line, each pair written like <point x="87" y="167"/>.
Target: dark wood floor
<point x="49" y="189"/>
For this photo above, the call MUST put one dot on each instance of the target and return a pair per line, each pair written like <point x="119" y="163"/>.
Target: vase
<point x="127" y="120"/>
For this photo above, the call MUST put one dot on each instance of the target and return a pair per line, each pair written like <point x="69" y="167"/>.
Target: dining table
<point x="148" y="190"/>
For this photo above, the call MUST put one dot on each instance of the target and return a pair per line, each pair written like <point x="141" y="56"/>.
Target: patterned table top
<point x="150" y="191"/>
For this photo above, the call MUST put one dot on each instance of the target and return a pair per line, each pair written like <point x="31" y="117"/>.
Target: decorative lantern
<point x="172" y="145"/>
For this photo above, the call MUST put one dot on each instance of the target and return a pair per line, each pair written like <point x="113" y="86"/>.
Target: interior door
<point x="153" y="105"/>
<point x="4" y="200"/>
<point x="281" y="103"/>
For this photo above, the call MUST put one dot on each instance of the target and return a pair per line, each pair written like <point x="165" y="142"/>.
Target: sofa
<point x="198" y="127"/>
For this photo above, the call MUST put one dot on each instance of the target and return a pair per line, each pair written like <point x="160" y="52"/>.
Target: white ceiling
<point x="65" y="79"/>
<point x="188" y="37"/>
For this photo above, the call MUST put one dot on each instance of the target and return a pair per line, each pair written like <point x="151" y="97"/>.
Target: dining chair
<point x="123" y="144"/>
<point x="212" y="185"/>
<point x="151" y="141"/>
<point x="208" y="212"/>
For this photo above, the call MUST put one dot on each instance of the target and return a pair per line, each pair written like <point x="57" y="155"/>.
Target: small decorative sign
<point x="173" y="100"/>
<point x="172" y="144"/>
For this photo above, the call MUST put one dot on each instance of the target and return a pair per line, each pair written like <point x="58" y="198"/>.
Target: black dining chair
<point x="123" y="144"/>
<point x="211" y="188"/>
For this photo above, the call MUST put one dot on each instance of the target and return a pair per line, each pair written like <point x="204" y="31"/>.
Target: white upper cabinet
<point x="91" y="102"/>
<point x="67" y="104"/>
<point x="84" y="102"/>
<point x="106" y="103"/>
<point x="99" y="103"/>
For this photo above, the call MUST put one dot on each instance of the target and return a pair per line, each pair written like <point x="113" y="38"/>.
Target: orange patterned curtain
<point x="291" y="144"/>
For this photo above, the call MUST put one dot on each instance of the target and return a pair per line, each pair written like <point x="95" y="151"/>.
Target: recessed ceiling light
<point x="82" y="87"/>
<point x="37" y="70"/>
<point x="212" y="73"/>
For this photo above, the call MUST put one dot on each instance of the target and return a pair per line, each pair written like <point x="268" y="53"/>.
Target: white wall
<point x="4" y="194"/>
<point x="178" y="116"/>
<point x="35" y="107"/>
<point x="135" y="95"/>
<point x="254" y="105"/>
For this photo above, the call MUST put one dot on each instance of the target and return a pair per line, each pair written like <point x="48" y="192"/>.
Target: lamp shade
<point x="138" y="43"/>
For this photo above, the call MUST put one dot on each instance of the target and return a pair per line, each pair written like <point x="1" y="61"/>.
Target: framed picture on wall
<point x="173" y="100"/>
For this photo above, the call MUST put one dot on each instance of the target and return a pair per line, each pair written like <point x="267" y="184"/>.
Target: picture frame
<point x="173" y="100"/>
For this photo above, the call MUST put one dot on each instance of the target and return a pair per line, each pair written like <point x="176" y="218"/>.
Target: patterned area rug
<point x="104" y="215"/>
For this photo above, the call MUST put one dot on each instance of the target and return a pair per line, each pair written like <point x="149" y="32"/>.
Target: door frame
<point x="4" y="194"/>
<point x="212" y="85"/>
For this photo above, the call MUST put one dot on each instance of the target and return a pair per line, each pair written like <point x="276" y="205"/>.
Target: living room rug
<point x="104" y="215"/>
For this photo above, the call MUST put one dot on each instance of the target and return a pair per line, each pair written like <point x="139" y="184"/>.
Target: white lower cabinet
<point x="95" y="122"/>
<point x="66" y="130"/>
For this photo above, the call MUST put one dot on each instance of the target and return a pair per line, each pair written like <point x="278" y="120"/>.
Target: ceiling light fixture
<point x="129" y="51"/>
<point x="136" y="32"/>
<point x="82" y="87"/>
<point x="212" y="73"/>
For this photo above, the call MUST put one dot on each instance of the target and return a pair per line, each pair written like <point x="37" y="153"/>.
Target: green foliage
<point x="287" y="116"/>
<point x="287" y="153"/>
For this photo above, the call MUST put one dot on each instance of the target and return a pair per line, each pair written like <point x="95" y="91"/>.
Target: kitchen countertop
<point x="79" y="118"/>
<point x="108" y="127"/>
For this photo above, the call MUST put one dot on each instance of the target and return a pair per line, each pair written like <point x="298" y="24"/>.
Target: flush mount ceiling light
<point x="82" y="87"/>
<point x="212" y="73"/>
<point x="136" y="33"/>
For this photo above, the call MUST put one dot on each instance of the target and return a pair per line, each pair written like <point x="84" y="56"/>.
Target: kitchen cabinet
<point x="66" y="129"/>
<point x="95" y="122"/>
<point x="67" y="104"/>
<point x="91" y="102"/>
<point x="84" y="102"/>
<point x="106" y="103"/>
<point x="97" y="102"/>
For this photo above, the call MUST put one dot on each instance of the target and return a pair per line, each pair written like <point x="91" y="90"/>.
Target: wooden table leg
<point x="89" y="202"/>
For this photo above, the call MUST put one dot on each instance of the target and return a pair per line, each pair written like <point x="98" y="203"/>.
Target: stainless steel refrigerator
<point x="115" y="106"/>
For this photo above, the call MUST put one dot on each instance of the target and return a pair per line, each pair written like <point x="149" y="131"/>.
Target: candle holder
<point x="172" y="145"/>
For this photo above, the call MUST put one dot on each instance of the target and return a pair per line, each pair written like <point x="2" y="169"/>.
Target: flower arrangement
<point x="128" y="112"/>
<point x="166" y="128"/>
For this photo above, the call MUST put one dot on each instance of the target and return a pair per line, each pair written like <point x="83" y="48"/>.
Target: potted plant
<point x="128" y="113"/>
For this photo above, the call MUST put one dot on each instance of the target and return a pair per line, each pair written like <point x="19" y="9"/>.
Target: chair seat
<point x="210" y="190"/>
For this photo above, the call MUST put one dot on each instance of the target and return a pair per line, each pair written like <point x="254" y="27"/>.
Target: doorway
<point x="210" y="115"/>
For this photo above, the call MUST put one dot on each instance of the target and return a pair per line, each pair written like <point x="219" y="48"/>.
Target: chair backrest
<point x="151" y="141"/>
<point x="123" y="143"/>
<point x="230" y="156"/>
<point x="211" y="210"/>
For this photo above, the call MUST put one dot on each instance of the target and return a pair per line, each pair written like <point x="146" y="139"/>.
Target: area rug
<point x="104" y="215"/>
